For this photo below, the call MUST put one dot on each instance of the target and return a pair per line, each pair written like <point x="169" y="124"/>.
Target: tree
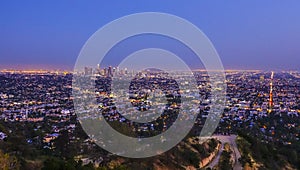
<point x="8" y="162"/>
<point x="53" y="164"/>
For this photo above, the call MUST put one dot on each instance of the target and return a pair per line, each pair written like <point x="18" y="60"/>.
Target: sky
<point x="246" y="34"/>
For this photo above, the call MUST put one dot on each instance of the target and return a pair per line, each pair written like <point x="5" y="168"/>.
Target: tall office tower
<point x="98" y="69"/>
<point x="110" y="71"/>
<point x="125" y="71"/>
<point x="271" y="92"/>
<point x="105" y="72"/>
<point x="88" y="71"/>
<point x="118" y="70"/>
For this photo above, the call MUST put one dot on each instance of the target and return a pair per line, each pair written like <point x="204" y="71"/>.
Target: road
<point x="217" y="157"/>
<point x="231" y="140"/>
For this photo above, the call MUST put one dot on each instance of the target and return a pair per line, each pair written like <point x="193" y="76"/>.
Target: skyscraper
<point x="271" y="92"/>
<point x="110" y="72"/>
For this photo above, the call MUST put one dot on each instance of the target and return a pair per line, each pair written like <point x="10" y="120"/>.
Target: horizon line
<point x="70" y="71"/>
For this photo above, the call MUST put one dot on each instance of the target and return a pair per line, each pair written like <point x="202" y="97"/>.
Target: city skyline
<point x="247" y="35"/>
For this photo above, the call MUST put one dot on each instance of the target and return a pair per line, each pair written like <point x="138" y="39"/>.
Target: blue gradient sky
<point x="247" y="35"/>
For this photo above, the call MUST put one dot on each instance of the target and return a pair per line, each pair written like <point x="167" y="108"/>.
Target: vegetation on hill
<point x="64" y="152"/>
<point x="257" y="154"/>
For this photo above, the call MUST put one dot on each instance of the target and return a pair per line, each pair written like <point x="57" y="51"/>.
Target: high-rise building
<point x="110" y="71"/>
<point x="105" y="73"/>
<point x="88" y="71"/>
<point x="98" y="70"/>
<point x="271" y="92"/>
